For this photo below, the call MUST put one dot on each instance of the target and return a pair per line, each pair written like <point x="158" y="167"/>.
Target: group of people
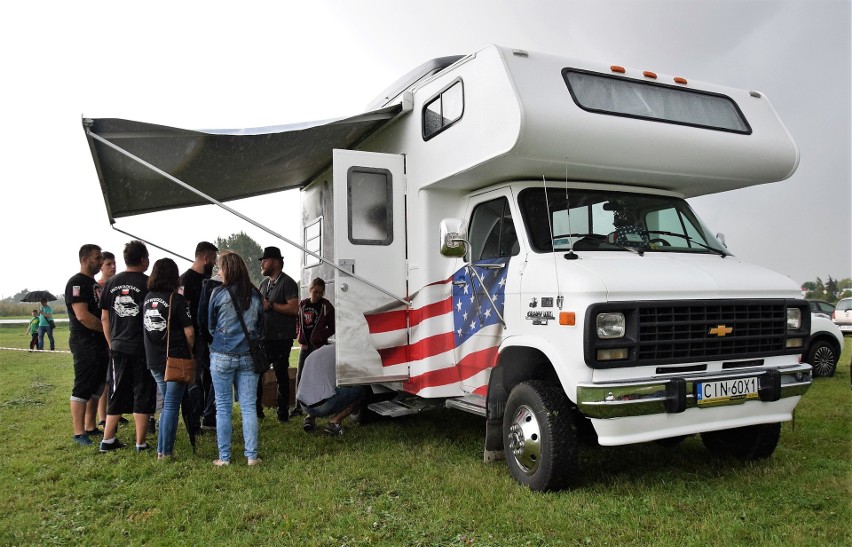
<point x="40" y="325"/>
<point x="125" y="326"/>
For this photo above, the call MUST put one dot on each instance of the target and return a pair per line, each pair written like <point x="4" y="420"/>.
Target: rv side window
<point x="312" y="241"/>
<point x="443" y="111"/>
<point x="370" y="204"/>
<point x="492" y="232"/>
<point x="619" y="96"/>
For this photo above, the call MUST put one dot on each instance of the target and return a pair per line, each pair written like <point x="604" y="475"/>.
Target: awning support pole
<point x="151" y="244"/>
<point x="236" y="213"/>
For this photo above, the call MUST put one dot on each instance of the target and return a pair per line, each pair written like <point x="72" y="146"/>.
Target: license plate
<point x="722" y="391"/>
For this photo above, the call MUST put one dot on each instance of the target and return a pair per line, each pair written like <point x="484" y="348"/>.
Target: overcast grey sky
<point x="226" y="65"/>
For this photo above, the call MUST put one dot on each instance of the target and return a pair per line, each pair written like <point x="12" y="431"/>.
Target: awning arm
<point x="151" y="244"/>
<point x="236" y="213"/>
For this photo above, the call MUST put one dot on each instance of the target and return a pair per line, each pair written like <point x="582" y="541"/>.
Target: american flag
<point x="450" y="335"/>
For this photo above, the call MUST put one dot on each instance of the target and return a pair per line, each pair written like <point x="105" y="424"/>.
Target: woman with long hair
<point x="230" y="357"/>
<point x="163" y="306"/>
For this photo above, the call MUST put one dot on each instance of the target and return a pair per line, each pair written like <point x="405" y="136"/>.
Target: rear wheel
<point x="823" y="358"/>
<point x="754" y="442"/>
<point x="539" y="437"/>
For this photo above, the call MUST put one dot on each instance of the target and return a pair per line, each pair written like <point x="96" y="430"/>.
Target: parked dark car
<point x="821" y="306"/>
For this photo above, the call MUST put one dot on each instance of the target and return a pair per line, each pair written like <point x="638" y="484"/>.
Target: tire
<point x="754" y="442"/>
<point x="823" y="358"/>
<point x="671" y="442"/>
<point x="539" y="437"/>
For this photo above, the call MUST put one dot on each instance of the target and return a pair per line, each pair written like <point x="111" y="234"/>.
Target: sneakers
<point x="152" y="425"/>
<point x="297" y="411"/>
<point x="221" y="463"/>
<point x="114" y="445"/>
<point x="95" y="432"/>
<point x="83" y="440"/>
<point x="142" y="448"/>
<point x="308" y="424"/>
<point x="333" y="429"/>
<point x="255" y="461"/>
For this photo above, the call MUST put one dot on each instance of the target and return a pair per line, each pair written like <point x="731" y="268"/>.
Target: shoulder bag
<point x="177" y="369"/>
<point x="257" y="347"/>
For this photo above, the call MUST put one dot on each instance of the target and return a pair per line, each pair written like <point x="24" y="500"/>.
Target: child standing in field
<point x="32" y="330"/>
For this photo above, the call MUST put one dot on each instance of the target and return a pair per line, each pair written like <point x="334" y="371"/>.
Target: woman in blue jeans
<point x="230" y="357"/>
<point x="163" y="304"/>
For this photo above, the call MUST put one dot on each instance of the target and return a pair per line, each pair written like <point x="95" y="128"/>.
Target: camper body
<point x="484" y="227"/>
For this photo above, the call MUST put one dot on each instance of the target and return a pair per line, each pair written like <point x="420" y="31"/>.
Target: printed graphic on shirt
<point x="75" y="291"/>
<point x="153" y="320"/>
<point x="124" y="305"/>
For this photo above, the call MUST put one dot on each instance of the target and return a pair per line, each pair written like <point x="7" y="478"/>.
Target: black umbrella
<point x="38" y="296"/>
<point x="189" y="417"/>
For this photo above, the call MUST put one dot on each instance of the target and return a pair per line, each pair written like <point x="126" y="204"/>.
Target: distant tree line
<point x="829" y="291"/>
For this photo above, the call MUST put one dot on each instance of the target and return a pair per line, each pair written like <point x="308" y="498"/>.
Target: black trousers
<point x="278" y="352"/>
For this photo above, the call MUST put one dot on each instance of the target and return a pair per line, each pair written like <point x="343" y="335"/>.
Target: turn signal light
<point x="612" y="354"/>
<point x="567" y="318"/>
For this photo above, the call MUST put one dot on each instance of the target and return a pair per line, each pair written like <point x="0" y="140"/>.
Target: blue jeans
<point x="41" y="333"/>
<point x="172" y="393"/>
<point x="225" y="369"/>
<point x="342" y="398"/>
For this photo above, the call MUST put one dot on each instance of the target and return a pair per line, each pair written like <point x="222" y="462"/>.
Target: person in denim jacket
<point x="230" y="358"/>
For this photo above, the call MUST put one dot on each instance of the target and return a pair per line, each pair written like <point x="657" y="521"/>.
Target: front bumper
<point x="676" y="394"/>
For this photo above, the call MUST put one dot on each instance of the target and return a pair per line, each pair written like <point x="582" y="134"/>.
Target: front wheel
<point x="823" y="358"/>
<point x="539" y="437"/>
<point x="753" y="442"/>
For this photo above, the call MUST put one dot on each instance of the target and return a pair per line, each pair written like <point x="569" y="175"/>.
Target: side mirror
<point x="453" y="237"/>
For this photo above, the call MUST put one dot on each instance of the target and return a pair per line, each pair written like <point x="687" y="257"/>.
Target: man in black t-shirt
<point x="280" y="307"/>
<point x="87" y="342"/>
<point x="200" y="393"/>
<point x="132" y="387"/>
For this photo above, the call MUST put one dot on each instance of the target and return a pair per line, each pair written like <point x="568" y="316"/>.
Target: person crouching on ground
<point x="319" y="395"/>
<point x="230" y="357"/>
<point x="168" y="328"/>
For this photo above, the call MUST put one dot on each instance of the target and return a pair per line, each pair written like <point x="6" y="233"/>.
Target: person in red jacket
<point x="315" y="327"/>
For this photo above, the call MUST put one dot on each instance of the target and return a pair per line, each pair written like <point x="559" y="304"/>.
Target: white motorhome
<point x="506" y="233"/>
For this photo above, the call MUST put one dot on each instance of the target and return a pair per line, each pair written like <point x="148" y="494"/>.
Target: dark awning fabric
<point x="224" y="164"/>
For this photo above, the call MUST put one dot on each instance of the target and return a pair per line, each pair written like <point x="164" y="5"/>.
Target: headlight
<point x="794" y="318"/>
<point x="611" y="325"/>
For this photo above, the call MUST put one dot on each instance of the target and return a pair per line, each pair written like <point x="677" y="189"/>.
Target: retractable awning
<point x="223" y="164"/>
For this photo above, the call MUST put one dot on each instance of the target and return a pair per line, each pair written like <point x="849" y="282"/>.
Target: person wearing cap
<point x="280" y="309"/>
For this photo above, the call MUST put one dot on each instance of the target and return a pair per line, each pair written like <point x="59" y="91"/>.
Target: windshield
<point x="596" y="220"/>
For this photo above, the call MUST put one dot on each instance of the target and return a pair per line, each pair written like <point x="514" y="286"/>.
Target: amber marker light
<point x="679" y="80"/>
<point x="649" y="74"/>
<point x="567" y="318"/>
<point x="616" y="68"/>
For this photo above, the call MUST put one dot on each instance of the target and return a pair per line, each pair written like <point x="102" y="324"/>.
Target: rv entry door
<point x="369" y="242"/>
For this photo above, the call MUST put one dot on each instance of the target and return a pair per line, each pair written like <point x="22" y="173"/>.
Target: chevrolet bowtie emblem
<point x="721" y="330"/>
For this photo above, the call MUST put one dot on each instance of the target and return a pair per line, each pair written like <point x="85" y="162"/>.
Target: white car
<point x="824" y="346"/>
<point x="843" y="315"/>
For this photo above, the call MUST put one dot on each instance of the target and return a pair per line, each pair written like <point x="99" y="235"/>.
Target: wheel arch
<point x="519" y="360"/>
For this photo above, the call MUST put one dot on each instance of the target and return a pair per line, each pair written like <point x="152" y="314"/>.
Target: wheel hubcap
<point x="525" y="440"/>
<point x="823" y="360"/>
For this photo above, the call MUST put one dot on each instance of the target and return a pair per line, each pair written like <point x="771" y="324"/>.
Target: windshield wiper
<point x="719" y="252"/>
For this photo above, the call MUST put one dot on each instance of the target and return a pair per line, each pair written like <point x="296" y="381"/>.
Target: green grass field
<point x="414" y="481"/>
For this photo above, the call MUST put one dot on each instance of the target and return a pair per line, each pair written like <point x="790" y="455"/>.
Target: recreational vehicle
<point x="507" y="233"/>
